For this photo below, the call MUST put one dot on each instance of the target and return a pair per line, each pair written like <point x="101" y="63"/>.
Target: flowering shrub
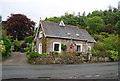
<point x="5" y="46"/>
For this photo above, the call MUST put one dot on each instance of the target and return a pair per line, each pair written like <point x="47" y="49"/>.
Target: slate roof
<point x="55" y="30"/>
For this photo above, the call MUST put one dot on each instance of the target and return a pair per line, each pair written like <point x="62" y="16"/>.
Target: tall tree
<point x="19" y="26"/>
<point x="95" y="24"/>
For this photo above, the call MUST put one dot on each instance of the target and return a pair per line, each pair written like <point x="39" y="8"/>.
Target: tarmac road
<point x="58" y="71"/>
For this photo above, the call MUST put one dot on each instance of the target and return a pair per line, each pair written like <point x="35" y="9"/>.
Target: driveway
<point x="17" y="58"/>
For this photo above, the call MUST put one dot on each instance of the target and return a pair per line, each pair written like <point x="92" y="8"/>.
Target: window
<point x="68" y="34"/>
<point x="79" y="47"/>
<point x="40" y="34"/>
<point x="57" y="47"/>
<point x="77" y="35"/>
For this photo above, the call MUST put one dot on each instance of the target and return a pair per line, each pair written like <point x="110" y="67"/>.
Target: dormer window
<point x="40" y="34"/>
<point x="62" y="23"/>
<point x="77" y="35"/>
<point x="68" y="34"/>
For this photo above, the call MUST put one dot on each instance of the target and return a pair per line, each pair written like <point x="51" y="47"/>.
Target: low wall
<point x="66" y="60"/>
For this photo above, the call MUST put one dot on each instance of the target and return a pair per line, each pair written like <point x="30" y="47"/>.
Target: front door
<point x="40" y="49"/>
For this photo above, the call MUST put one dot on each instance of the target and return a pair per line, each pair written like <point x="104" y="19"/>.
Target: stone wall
<point x="66" y="60"/>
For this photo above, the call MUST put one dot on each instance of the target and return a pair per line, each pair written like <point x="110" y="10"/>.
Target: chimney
<point x="62" y="23"/>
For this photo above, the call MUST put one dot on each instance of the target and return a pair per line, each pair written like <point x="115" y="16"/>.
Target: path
<point x="17" y="58"/>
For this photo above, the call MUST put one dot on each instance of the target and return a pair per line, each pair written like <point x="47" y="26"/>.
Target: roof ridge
<point x="65" y="24"/>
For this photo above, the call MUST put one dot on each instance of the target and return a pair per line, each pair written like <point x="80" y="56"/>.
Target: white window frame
<point x="80" y="46"/>
<point x="40" y="34"/>
<point x="59" y="46"/>
<point x="40" y="50"/>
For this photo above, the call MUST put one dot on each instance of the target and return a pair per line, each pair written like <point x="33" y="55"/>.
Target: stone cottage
<point x="50" y="37"/>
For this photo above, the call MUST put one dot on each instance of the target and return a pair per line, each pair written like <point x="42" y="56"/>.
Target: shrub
<point x="29" y="39"/>
<point x="16" y="45"/>
<point x="7" y="46"/>
<point x="33" y="54"/>
<point x="99" y="46"/>
<point x="113" y="55"/>
<point x="64" y="47"/>
<point x="98" y="37"/>
<point x="104" y="34"/>
<point x="23" y="45"/>
<point x="2" y="46"/>
<point x="44" y="54"/>
<point x="56" y="54"/>
<point x="27" y="49"/>
<point x="98" y="53"/>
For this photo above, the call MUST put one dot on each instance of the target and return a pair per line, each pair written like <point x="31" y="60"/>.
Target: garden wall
<point x="66" y="60"/>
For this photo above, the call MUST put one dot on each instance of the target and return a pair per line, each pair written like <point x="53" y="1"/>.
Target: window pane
<point x="78" y="48"/>
<point x="56" y="47"/>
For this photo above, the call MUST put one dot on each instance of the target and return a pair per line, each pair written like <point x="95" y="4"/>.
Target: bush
<point x="29" y="39"/>
<point x="64" y="47"/>
<point x="33" y="54"/>
<point x="44" y="54"/>
<point x="99" y="46"/>
<point x="104" y="34"/>
<point x="98" y="53"/>
<point x="56" y="54"/>
<point x="27" y="49"/>
<point x="113" y="55"/>
<point x="23" y="45"/>
<point x="6" y="46"/>
<point x="16" y="45"/>
<point x="98" y="37"/>
<point x="2" y="46"/>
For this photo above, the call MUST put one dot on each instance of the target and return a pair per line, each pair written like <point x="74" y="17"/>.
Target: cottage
<point x="50" y="37"/>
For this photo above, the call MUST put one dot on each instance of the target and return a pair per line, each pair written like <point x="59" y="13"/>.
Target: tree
<point x="109" y="28"/>
<point x="19" y="26"/>
<point x="95" y="24"/>
<point x="96" y="13"/>
<point x="109" y="17"/>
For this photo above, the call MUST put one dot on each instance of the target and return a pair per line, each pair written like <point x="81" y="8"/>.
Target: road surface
<point x="16" y="66"/>
<point x="58" y="71"/>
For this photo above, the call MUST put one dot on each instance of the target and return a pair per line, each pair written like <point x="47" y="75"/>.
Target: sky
<point x="36" y="9"/>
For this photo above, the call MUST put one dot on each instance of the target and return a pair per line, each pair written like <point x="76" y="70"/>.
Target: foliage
<point x="98" y="37"/>
<point x="33" y="54"/>
<point x="108" y="47"/>
<point x="63" y="47"/>
<point x="109" y="28"/>
<point x="113" y="55"/>
<point x="56" y="54"/>
<point x="19" y="26"/>
<point x="2" y="47"/>
<point x="28" y="39"/>
<point x="6" y="46"/>
<point x="95" y="24"/>
<point x="104" y="34"/>
<point x="27" y="49"/>
<point x="17" y="45"/>
<point x="23" y="45"/>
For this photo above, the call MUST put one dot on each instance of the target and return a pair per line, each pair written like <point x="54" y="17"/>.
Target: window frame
<point x="40" y="34"/>
<point x="80" y="48"/>
<point x="59" y="46"/>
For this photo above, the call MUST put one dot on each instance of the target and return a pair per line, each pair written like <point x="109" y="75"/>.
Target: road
<point x="62" y="71"/>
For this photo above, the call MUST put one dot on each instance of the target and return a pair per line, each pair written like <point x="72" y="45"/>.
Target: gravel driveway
<point x="17" y="58"/>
